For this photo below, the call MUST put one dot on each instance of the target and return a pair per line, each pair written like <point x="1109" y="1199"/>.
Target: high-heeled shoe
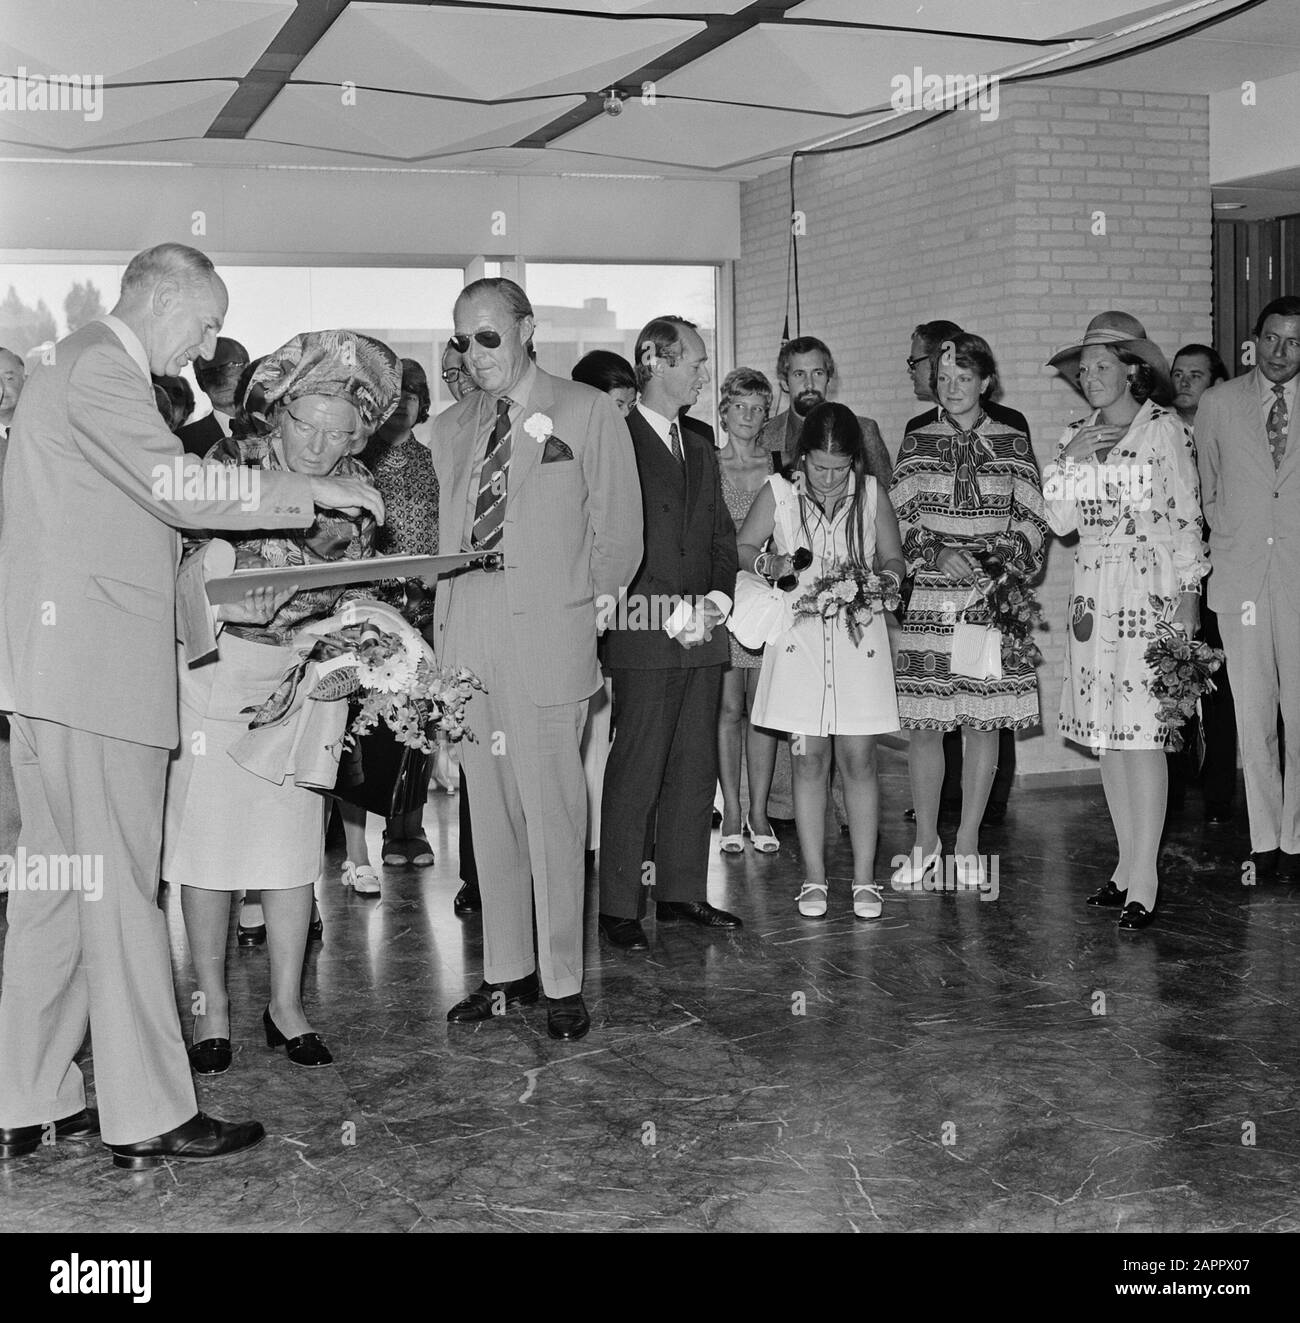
<point x="1135" y="915"/>
<point x="732" y="842"/>
<point x="911" y="874"/>
<point x="212" y="1056"/>
<point x="1110" y="896"/>
<point x="252" y="936"/>
<point x="305" y="1050"/>
<point x="763" y="843"/>
<point x="419" y="851"/>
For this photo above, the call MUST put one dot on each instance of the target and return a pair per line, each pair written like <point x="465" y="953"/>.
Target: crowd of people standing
<point x="605" y="722"/>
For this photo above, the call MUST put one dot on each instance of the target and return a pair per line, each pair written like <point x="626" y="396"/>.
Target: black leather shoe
<point x="468" y="901"/>
<point x="626" y="933"/>
<point x="18" y="1141"/>
<point x="251" y="936"/>
<point x="1218" y="813"/>
<point x="200" y="1139"/>
<point x="210" y="1057"/>
<point x="697" y="911"/>
<point x="1110" y="896"/>
<point x="484" y="1003"/>
<point x="1288" y="867"/>
<point x="305" y="1050"/>
<point x="1266" y="862"/>
<point x="994" y="814"/>
<point x="567" y="1017"/>
<point x="1135" y="915"/>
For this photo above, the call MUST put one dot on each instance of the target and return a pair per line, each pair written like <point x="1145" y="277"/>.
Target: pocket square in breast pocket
<point x="555" y="451"/>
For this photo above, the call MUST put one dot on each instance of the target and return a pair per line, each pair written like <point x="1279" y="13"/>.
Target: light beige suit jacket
<point x="1252" y="509"/>
<point x="89" y="547"/>
<point x="572" y="528"/>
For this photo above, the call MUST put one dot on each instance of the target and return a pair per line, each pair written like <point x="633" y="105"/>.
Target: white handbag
<point x="976" y="649"/>
<point x="760" y="613"/>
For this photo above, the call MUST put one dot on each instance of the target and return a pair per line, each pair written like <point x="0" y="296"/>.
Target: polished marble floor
<point x="959" y="1064"/>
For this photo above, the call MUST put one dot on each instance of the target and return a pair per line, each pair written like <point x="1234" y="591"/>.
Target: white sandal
<point x="732" y="843"/>
<point x="763" y="844"/>
<point x="868" y="903"/>
<point x="362" y="878"/>
<point x="910" y="875"/>
<point x="812" y="900"/>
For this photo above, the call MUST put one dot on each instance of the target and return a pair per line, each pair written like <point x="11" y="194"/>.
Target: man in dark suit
<point x="926" y="340"/>
<point x="666" y="654"/>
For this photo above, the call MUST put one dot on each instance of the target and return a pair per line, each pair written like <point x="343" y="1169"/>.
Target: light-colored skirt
<point x="226" y="829"/>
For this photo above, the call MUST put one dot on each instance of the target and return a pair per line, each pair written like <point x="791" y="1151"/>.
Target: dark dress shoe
<point x="1288" y="867"/>
<point x="1266" y="862"/>
<point x="994" y="814"/>
<point x="1110" y="896"/>
<point x="18" y="1141"/>
<point x="483" y="1003"/>
<point x="251" y="936"/>
<point x="1135" y="915"/>
<point x="626" y="933"/>
<point x="200" y="1139"/>
<point x="305" y="1050"/>
<point x="567" y="1017"/>
<point x="697" y="911"/>
<point x="468" y="900"/>
<point x="210" y="1057"/>
<point x="1218" y="813"/>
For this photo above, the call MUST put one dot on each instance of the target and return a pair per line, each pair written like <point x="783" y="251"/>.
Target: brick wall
<point x="990" y="224"/>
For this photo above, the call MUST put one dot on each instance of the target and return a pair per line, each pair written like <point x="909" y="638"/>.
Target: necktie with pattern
<point x="1276" y="426"/>
<point x="675" y="438"/>
<point x="490" y="508"/>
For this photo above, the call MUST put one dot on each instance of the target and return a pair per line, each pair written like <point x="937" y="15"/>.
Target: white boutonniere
<point x="538" y="427"/>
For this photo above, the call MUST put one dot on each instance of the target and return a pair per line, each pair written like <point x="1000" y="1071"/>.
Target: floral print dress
<point x="1138" y="517"/>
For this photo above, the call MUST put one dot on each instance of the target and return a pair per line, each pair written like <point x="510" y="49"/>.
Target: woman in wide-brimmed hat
<point x="322" y="395"/>
<point x="1125" y="480"/>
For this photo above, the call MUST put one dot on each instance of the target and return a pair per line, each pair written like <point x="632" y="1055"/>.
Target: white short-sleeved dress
<point x="814" y="681"/>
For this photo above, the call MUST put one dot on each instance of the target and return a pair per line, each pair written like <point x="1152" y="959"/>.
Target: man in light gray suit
<point x="95" y="490"/>
<point x="1248" y="452"/>
<point x="541" y="470"/>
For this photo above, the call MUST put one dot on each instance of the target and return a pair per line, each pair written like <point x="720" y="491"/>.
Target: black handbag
<point x="381" y="774"/>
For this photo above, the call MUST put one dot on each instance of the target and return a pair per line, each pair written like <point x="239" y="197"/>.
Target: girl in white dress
<point x="814" y="682"/>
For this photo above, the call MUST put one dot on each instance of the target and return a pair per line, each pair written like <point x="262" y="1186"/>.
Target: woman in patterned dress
<point x="746" y="401"/>
<point x="1125" y="480"/>
<point x="815" y="683"/>
<point x="963" y="483"/>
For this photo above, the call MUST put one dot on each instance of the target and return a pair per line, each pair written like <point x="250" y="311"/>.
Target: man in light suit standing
<point x="95" y="489"/>
<point x="541" y="470"/>
<point x="1248" y="452"/>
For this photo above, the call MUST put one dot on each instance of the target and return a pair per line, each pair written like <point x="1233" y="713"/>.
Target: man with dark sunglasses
<point x="540" y="469"/>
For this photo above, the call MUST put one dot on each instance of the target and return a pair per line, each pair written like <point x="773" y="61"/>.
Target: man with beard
<point x="805" y="368"/>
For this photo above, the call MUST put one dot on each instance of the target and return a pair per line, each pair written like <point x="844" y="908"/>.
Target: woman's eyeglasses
<point x="488" y="339"/>
<point x="332" y="436"/>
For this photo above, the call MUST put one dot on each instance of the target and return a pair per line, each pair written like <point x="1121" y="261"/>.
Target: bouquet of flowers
<point x="851" y="594"/>
<point x="368" y="653"/>
<point x="1181" y="668"/>
<point x="1014" y="611"/>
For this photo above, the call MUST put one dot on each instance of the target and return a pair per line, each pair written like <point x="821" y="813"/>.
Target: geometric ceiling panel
<point x="399" y="127"/>
<point x="1028" y="20"/>
<point x="129" y="115"/>
<point x="696" y="134"/>
<point x="829" y="70"/>
<point x="486" y="54"/>
<point x="136" y="40"/>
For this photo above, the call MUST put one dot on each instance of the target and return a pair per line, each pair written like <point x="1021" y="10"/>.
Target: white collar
<point x="658" y="422"/>
<point x="130" y="342"/>
<point x="1266" y="396"/>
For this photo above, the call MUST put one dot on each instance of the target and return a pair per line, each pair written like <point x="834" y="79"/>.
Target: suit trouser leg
<point x="468" y="867"/>
<point x="9" y="819"/>
<point x="1219" y="774"/>
<point x="1285" y="620"/>
<point x="686" y="797"/>
<point x="70" y="957"/>
<point x="646" y="711"/>
<point x="529" y="803"/>
<point x="1253" y="666"/>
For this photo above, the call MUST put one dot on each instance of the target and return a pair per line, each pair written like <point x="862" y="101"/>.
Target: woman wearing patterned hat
<point x="964" y="484"/>
<point x="1125" y="480"/>
<point x="322" y="394"/>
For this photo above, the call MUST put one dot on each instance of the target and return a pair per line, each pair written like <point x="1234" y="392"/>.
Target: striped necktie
<point x="675" y="439"/>
<point x="1276" y="426"/>
<point x="490" y="508"/>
